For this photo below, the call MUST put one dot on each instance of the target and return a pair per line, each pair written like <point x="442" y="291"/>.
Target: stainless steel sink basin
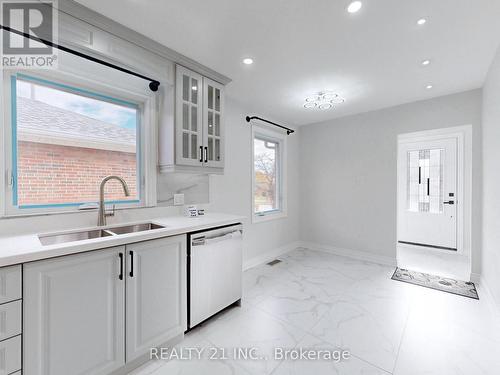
<point x="52" y="239"/>
<point x="135" y="228"/>
<point x="58" y="238"/>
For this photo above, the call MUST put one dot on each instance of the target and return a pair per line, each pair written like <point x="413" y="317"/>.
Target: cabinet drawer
<point x="10" y="283"/>
<point x="10" y="319"/>
<point x="10" y="355"/>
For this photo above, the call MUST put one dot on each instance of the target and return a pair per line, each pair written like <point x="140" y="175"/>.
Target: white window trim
<point x="148" y="105"/>
<point x="280" y="138"/>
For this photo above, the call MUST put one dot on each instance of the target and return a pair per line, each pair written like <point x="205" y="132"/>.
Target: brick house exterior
<point x="63" y="156"/>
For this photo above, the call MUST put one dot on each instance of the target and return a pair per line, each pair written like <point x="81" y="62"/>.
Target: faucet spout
<point x="102" y="209"/>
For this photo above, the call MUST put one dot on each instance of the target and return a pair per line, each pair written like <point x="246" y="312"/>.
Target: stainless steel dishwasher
<point x="214" y="272"/>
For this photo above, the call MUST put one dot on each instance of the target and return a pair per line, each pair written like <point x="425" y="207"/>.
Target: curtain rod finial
<point x="248" y="118"/>
<point x="153" y="85"/>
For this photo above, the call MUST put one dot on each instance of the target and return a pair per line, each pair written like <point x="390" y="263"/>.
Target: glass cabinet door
<point x="189" y="114"/>
<point x="213" y="135"/>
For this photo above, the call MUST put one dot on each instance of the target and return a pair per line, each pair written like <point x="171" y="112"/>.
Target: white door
<point x="427" y="193"/>
<point x="156" y="293"/>
<point x="74" y="309"/>
<point x="188" y="124"/>
<point x="213" y="124"/>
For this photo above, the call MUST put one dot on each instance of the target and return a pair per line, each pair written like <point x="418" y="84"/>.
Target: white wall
<point x="349" y="168"/>
<point x="229" y="193"/>
<point x="491" y="180"/>
<point x="232" y="192"/>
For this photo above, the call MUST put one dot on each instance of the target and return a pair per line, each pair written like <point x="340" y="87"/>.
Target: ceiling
<point x="372" y="58"/>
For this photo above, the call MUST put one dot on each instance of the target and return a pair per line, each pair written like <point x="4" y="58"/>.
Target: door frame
<point x="463" y="136"/>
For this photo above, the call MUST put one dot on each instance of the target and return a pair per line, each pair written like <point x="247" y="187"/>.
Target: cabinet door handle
<point x="120" y="276"/>
<point x="206" y="154"/>
<point x="131" y="264"/>
<point x="201" y="154"/>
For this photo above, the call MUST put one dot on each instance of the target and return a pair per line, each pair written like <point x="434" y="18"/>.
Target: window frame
<point x="89" y="88"/>
<point x="279" y="138"/>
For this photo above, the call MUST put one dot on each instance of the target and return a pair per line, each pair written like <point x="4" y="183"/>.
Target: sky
<point x="122" y="116"/>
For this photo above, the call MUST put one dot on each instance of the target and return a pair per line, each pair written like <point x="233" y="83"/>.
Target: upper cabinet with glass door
<point x="213" y="139"/>
<point x="198" y="123"/>
<point x="189" y="112"/>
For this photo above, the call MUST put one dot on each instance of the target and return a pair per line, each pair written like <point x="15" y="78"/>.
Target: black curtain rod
<point x="288" y="130"/>
<point x="153" y="83"/>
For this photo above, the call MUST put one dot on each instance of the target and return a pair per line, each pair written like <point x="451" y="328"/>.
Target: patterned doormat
<point x="462" y="288"/>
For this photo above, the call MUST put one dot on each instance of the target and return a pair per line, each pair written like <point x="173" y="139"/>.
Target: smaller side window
<point x="268" y="176"/>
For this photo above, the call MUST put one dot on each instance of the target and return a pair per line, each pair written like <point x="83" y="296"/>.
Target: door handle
<point x="201" y="154"/>
<point x="449" y="202"/>
<point x="206" y="154"/>
<point x="131" y="264"/>
<point x="120" y="276"/>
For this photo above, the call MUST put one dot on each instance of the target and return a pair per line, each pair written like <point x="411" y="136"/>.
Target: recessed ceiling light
<point x="426" y="62"/>
<point x="428" y="87"/>
<point x="309" y="105"/>
<point x="354" y="7"/>
<point x="248" y="61"/>
<point x="421" y="21"/>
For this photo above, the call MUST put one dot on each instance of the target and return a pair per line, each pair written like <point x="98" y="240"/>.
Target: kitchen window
<point x="65" y="140"/>
<point x="269" y="177"/>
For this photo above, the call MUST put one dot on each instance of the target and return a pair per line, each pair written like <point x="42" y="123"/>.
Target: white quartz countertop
<point x="27" y="248"/>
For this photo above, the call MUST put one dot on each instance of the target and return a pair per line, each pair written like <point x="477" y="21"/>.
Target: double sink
<point x="58" y="238"/>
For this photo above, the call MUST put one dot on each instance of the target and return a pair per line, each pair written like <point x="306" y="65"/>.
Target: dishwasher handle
<point x="200" y="241"/>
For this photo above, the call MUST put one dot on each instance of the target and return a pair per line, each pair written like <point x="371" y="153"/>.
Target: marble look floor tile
<point x="341" y="302"/>
<point x="350" y="366"/>
<point x="370" y="327"/>
<point x="295" y="303"/>
<point x="258" y="282"/>
<point x="254" y="329"/>
<point x="436" y="346"/>
<point x="200" y="366"/>
<point x="470" y="314"/>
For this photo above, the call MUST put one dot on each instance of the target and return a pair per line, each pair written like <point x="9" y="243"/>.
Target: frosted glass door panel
<point x="425" y="181"/>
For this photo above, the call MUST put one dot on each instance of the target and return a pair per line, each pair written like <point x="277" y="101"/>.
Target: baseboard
<point x="354" y="254"/>
<point x="475" y="278"/>
<point x="269" y="255"/>
<point x="485" y="292"/>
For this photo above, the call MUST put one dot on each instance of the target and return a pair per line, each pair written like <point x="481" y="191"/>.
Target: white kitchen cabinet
<point x="10" y="319"/>
<point x="213" y="125"/>
<point x="189" y="111"/>
<point x="74" y="311"/>
<point x="10" y="355"/>
<point x="155" y="289"/>
<point x="199" y="126"/>
<point x="10" y="283"/>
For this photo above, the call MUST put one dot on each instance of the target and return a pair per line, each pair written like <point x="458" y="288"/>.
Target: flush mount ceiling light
<point x="421" y="21"/>
<point x="247" y="61"/>
<point x="354" y="7"/>
<point x="323" y="100"/>
<point x="426" y="62"/>
<point x="428" y="87"/>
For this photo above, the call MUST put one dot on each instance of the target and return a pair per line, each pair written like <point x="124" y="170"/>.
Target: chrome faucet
<point x="101" y="220"/>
